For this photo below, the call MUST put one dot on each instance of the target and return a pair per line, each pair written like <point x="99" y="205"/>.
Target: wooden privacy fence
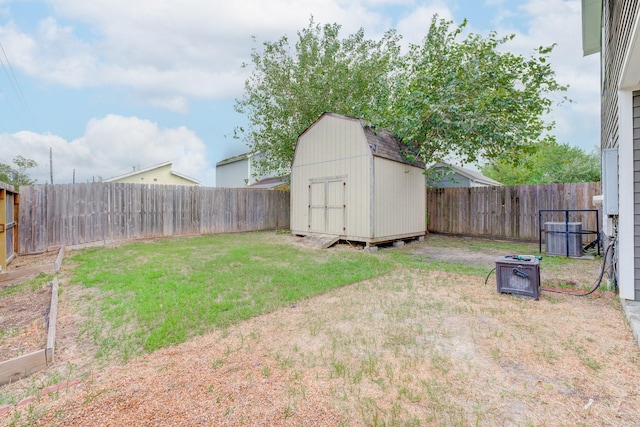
<point x="71" y="214"/>
<point x="509" y="212"/>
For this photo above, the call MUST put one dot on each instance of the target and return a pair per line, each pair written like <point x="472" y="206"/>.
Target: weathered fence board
<point x="72" y="214"/>
<point x="509" y="212"/>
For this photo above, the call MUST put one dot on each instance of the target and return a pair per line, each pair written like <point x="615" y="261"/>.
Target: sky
<point x="107" y="86"/>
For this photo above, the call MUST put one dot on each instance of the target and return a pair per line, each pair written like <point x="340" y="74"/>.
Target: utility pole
<point x="51" y="164"/>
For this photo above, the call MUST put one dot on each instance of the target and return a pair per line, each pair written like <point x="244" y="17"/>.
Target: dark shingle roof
<point x="386" y="145"/>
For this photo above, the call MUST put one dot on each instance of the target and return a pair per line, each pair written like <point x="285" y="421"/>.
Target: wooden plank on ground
<point x="14" y="369"/>
<point x="53" y="314"/>
<point x="58" y="262"/>
<point x="318" y="241"/>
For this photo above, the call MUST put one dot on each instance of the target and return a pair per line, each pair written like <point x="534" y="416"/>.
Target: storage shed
<point x="352" y="180"/>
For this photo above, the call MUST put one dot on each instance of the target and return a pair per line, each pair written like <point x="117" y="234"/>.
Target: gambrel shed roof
<point x="382" y="142"/>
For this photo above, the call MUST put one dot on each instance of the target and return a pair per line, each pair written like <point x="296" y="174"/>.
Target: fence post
<point x="8" y="229"/>
<point x="3" y="221"/>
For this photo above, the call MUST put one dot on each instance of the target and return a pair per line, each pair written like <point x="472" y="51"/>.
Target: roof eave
<point x="179" y="175"/>
<point x="591" y="26"/>
<point x="128" y="174"/>
<point x="234" y="159"/>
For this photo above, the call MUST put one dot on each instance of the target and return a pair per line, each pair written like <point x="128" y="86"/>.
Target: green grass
<point x="159" y="293"/>
<point x="156" y="293"/>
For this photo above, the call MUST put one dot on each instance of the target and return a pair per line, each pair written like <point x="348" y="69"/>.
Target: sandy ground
<point x="409" y="348"/>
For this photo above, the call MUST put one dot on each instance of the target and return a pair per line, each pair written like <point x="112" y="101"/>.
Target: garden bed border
<point x="25" y="365"/>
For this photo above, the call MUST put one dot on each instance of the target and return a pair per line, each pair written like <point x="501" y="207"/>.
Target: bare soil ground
<point x="25" y="261"/>
<point x="22" y="314"/>
<point x="409" y="348"/>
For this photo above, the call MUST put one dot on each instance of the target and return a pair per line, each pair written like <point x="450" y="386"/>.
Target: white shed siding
<point x="400" y="200"/>
<point x="332" y="155"/>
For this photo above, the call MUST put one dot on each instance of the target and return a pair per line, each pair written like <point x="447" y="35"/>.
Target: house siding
<point x="161" y="175"/>
<point x="618" y="19"/>
<point x="452" y="181"/>
<point x="233" y="175"/>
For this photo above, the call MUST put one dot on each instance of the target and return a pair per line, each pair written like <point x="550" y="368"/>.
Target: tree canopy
<point x="549" y="163"/>
<point x="452" y="95"/>
<point x="17" y="175"/>
<point x="290" y="88"/>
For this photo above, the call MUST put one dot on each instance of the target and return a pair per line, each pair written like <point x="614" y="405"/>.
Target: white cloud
<point x="167" y="50"/>
<point x="559" y="22"/>
<point x="414" y="27"/>
<point x="166" y="53"/>
<point x="111" y="146"/>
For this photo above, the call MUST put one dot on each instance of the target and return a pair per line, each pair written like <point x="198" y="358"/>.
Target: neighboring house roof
<point x="269" y="183"/>
<point x="242" y="170"/>
<point x="382" y="142"/>
<point x="234" y="159"/>
<point x="467" y="173"/>
<point x="142" y="171"/>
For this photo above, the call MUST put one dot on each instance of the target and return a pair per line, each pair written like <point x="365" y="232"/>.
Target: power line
<point x="11" y="76"/>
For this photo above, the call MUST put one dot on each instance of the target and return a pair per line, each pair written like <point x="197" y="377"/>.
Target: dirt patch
<point x="23" y="320"/>
<point x="476" y="259"/>
<point x="581" y="274"/>
<point x="25" y="261"/>
<point x="23" y="312"/>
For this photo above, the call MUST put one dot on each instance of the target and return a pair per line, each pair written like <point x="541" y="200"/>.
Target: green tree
<point x="17" y="175"/>
<point x="291" y="86"/>
<point x="471" y="99"/>
<point x="452" y="96"/>
<point x="549" y="163"/>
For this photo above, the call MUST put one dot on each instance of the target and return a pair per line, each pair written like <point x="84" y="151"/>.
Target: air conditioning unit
<point x="561" y="234"/>
<point x="518" y="275"/>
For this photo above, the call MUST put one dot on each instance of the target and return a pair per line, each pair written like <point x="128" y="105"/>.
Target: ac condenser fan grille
<point x="519" y="275"/>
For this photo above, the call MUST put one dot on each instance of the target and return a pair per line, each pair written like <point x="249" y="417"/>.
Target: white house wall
<point x="233" y="175"/>
<point x="331" y="150"/>
<point x="629" y="166"/>
<point x="626" y="183"/>
<point x="400" y="200"/>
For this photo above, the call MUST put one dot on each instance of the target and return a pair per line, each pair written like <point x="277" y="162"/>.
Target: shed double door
<point x="328" y="205"/>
